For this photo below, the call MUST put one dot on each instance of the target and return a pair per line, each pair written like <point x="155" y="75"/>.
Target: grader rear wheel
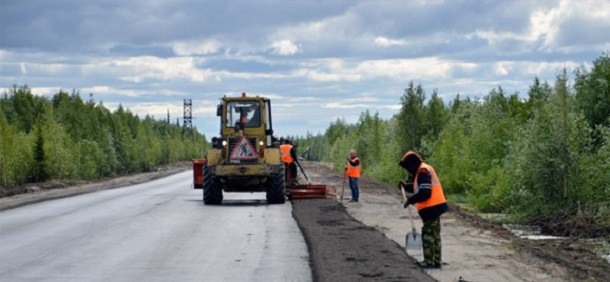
<point x="212" y="190"/>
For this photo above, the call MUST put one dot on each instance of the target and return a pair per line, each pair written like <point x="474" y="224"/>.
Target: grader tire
<point x="212" y="190"/>
<point x="276" y="187"/>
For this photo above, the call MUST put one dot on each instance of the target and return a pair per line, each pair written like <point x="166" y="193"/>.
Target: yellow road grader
<point x="246" y="157"/>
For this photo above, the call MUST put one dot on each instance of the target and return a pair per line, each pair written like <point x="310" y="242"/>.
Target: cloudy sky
<point x="317" y="60"/>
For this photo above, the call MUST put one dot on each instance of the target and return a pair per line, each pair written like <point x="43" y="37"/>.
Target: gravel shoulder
<point x="57" y="189"/>
<point x="473" y="249"/>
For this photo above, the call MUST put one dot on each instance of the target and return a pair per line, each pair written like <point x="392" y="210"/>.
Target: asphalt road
<point x="155" y="231"/>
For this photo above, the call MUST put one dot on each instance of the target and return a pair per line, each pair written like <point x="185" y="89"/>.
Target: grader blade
<point x="311" y="191"/>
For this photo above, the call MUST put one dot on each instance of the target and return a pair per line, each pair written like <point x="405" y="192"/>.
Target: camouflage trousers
<point x="431" y="239"/>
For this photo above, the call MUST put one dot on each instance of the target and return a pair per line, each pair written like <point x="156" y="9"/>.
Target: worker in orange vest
<point x="431" y="204"/>
<point x="353" y="172"/>
<point x="288" y="156"/>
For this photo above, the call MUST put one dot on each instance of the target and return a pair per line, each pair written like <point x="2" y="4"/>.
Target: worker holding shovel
<point x="288" y="156"/>
<point x="431" y="204"/>
<point x="353" y="173"/>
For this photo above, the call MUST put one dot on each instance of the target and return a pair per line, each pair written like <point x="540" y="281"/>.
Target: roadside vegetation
<point x="543" y="158"/>
<point x="65" y="137"/>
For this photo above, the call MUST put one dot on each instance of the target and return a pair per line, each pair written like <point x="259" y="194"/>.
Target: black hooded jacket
<point x="412" y="162"/>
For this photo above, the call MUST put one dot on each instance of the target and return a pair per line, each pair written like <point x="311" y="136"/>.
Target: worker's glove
<point x="406" y="204"/>
<point x="408" y="186"/>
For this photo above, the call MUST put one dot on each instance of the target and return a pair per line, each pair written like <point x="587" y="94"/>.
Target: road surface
<point x="155" y="231"/>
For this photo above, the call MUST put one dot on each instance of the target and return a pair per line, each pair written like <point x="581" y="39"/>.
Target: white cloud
<point x="303" y="100"/>
<point x="157" y="109"/>
<point x="298" y="103"/>
<point x="45" y="91"/>
<point x="503" y="68"/>
<point x="388" y="42"/>
<point x="273" y="96"/>
<point x="547" y="26"/>
<point x="514" y="71"/>
<point x="138" y="69"/>
<point x="42" y="69"/>
<point x="160" y="110"/>
<point x="344" y="25"/>
<point x="342" y="106"/>
<point x="391" y="107"/>
<point x="108" y="90"/>
<point x="359" y="106"/>
<point x="97" y="89"/>
<point x="190" y="48"/>
<point x="545" y="68"/>
<point x="407" y="68"/>
<point x="284" y="47"/>
<point x="250" y="75"/>
<point x="328" y="76"/>
<point x="333" y="70"/>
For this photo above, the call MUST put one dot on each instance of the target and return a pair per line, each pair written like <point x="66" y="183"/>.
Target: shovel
<point x="342" y="188"/>
<point x="412" y="239"/>
<point x="303" y="172"/>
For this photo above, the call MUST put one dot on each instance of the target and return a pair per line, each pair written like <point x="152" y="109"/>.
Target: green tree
<point x="545" y="162"/>
<point x="58" y="148"/>
<point x="6" y="151"/>
<point x="538" y="95"/>
<point x="436" y="115"/>
<point x="40" y="172"/>
<point x="593" y="91"/>
<point x="451" y="154"/>
<point x="411" y="116"/>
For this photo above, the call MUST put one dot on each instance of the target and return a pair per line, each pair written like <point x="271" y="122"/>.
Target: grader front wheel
<point x="276" y="187"/>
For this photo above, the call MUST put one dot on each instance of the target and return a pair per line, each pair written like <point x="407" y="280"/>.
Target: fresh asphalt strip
<point x="343" y="249"/>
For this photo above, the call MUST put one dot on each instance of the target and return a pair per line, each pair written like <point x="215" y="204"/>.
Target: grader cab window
<point x="246" y="112"/>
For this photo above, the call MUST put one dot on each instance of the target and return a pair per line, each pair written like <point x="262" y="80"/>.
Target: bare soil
<point x="564" y="224"/>
<point x="474" y="249"/>
<point x="17" y="196"/>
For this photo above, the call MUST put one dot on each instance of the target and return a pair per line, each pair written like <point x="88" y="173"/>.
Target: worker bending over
<point x="353" y="173"/>
<point x="430" y="201"/>
<point x="289" y="156"/>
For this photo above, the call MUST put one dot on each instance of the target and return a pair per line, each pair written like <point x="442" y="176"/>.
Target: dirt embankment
<point x="576" y="256"/>
<point x="343" y="249"/>
<point x="13" y="197"/>
<point x="474" y="249"/>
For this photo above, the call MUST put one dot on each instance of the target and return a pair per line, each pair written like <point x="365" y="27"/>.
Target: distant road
<point x="155" y="231"/>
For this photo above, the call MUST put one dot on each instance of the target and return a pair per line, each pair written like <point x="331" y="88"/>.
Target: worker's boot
<point x="426" y="265"/>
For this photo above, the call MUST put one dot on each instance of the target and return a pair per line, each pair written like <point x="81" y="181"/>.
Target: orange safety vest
<point x="437" y="196"/>
<point x="286" y="157"/>
<point x="354" y="171"/>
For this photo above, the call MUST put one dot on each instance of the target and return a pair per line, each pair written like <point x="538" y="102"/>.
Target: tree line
<point x="65" y="137"/>
<point x="530" y="157"/>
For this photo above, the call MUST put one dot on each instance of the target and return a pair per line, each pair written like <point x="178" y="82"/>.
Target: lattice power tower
<point x="188" y="117"/>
